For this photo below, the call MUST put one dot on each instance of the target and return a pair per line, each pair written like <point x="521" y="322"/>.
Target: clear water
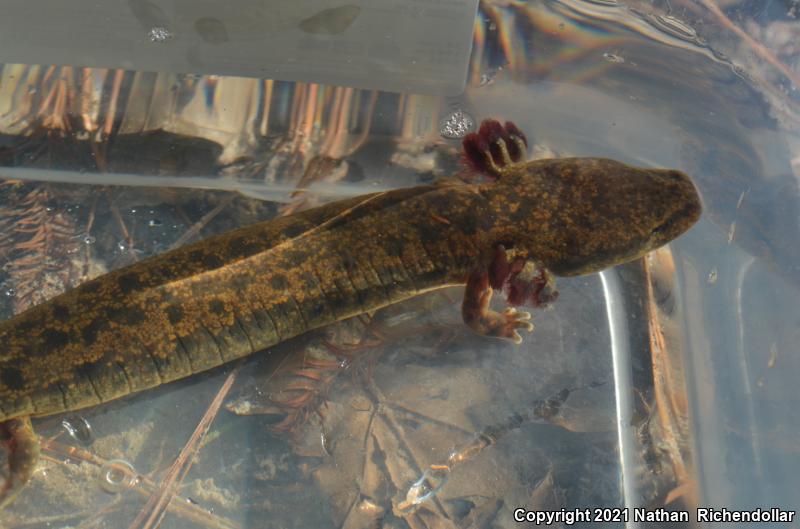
<point x="671" y="381"/>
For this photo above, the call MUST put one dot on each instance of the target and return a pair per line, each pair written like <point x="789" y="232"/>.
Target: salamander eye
<point x="659" y="231"/>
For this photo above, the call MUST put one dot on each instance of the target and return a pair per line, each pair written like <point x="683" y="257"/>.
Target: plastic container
<point x="665" y="385"/>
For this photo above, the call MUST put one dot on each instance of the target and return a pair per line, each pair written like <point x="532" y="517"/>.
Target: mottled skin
<point x="228" y="296"/>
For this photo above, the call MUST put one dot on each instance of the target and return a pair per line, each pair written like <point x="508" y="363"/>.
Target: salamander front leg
<point x="22" y="449"/>
<point x="483" y="320"/>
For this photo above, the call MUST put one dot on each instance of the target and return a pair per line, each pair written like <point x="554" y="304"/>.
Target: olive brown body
<point x="197" y="307"/>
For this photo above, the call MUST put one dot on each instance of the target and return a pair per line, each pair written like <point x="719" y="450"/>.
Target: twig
<point x="200" y="224"/>
<point x="87" y="248"/>
<point x="185" y="509"/>
<point x="111" y="113"/>
<point x="154" y="510"/>
<point x="121" y="222"/>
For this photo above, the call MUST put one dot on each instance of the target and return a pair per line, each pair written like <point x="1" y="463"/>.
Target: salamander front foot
<point x="506" y="324"/>
<point x="480" y="318"/>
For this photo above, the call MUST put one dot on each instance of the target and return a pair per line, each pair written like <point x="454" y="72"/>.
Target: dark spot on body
<point x="90" y="287"/>
<point x="129" y="282"/>
<point x="349" y="261"/>
<point x="212" y="261"/>
<point x="243" y="248"/>
<point x="208" y="260"/>
<point x="127" y="315"/>
<point x="28" y="325"/>
<point x="279" y="282"/>
<point x="12" y="378"/>
<point x="293" y="230"/>
<point x="469" y="223"/>
<point x="295" y="257"/>
<point x="90" y="331"/>
<point x="87" y="370"/>
<point x="216" y="306"/>
<point x="174" y="314"/>
<point x="55" y="339"/>
<point x="392" y="246"/>
<point x="60" y="312"/>
<point x="430" y="237"/>
<point x="309" y="281"/>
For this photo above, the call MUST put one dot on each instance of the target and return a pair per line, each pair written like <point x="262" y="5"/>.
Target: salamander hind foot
<point x="494" y="147"/>
<point x="22" y="449"/>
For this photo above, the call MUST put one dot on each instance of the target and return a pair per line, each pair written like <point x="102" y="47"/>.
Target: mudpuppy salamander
<point x="228" y="296"/>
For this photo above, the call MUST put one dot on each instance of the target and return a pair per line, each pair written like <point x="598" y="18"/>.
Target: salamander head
<point x="581" y="215"/>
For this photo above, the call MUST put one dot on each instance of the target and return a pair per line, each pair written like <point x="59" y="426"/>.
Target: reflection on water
<point x="342" y="424"/>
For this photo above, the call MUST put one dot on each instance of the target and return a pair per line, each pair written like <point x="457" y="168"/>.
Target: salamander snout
<point x="681" y="205"/>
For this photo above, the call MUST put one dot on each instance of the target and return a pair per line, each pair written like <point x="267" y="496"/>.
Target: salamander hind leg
<point x="494" y="147"/>
<point x="22" y="451"/>
<point x="483" y="320"/>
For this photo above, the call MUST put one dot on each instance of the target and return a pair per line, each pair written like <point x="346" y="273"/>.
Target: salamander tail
<point x="22" y="449"/>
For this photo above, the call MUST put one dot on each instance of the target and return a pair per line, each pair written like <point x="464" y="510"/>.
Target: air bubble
<point x="611" y="57"/>
<point x="10" y="292"/>
<point x="89" y="239"/>
<point x="457" y="125"/>
<point x="159" y="34"/>
<point x="425" y="488"/>
<point x="79" y="429"/>
<point x="118" y="475"/>
<point x="154" y="223"/>
<point x="122" y="246"/>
